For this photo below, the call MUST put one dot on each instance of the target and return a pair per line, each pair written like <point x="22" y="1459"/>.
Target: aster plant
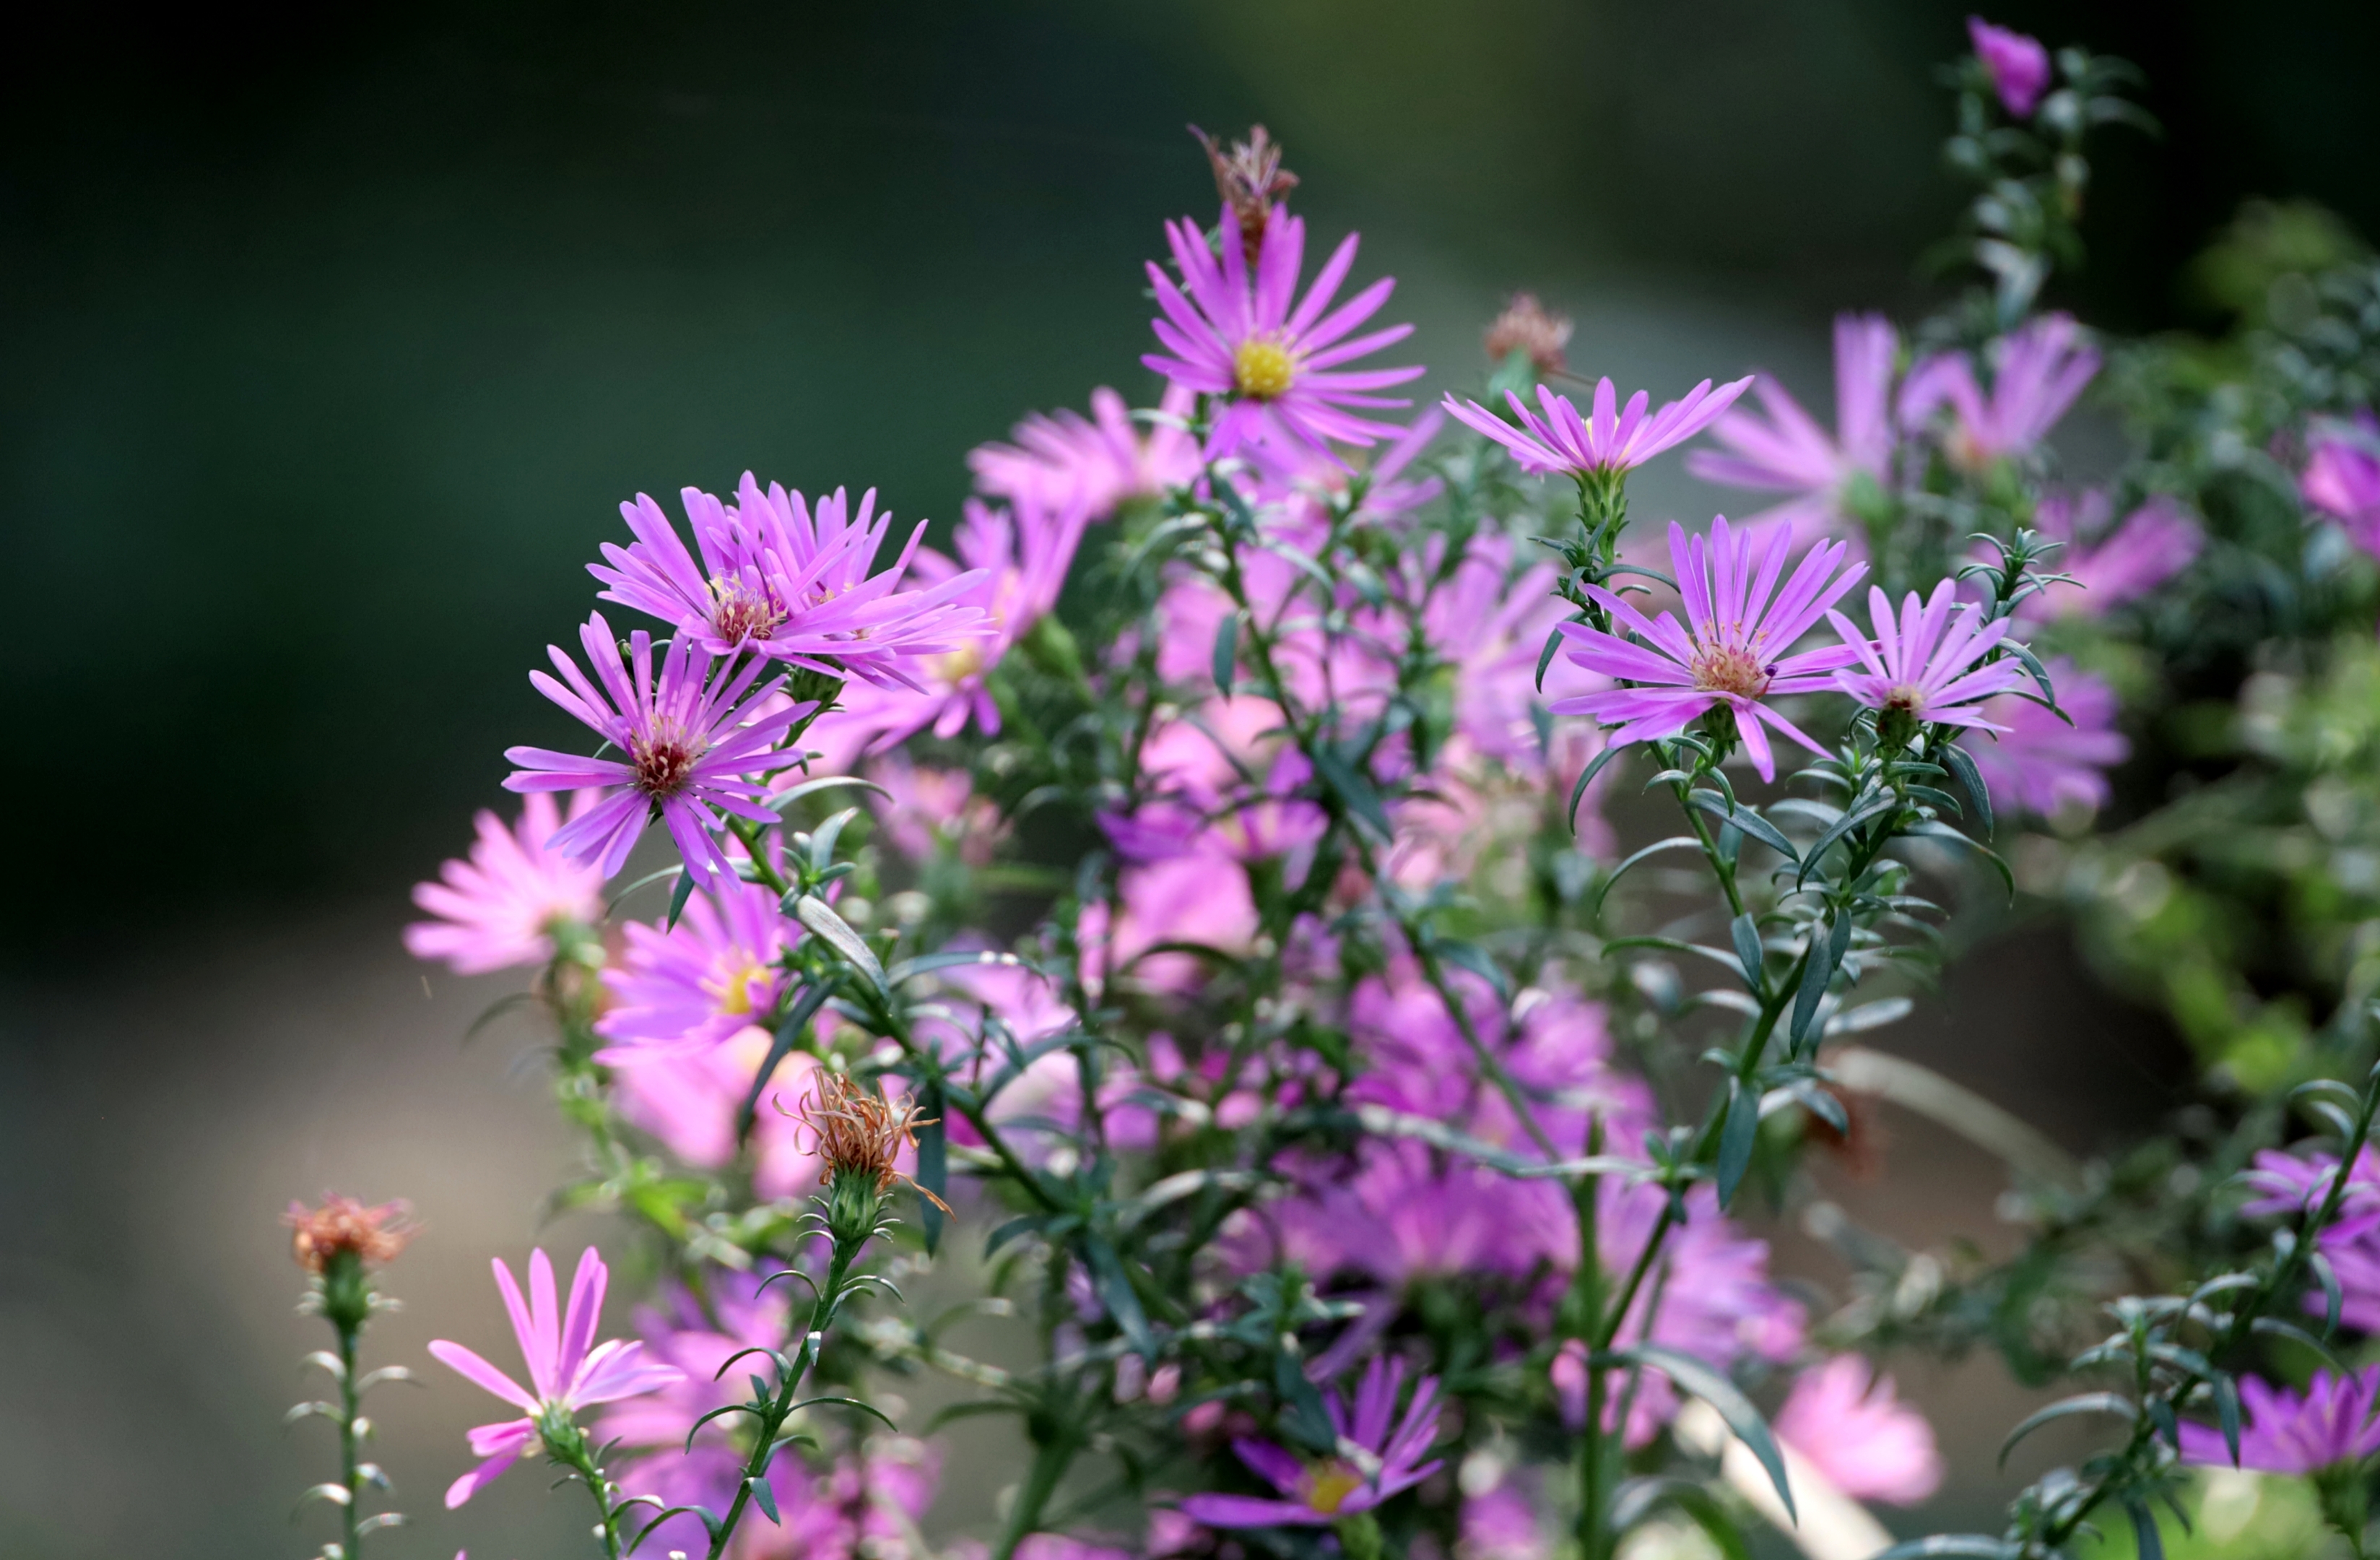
<point x="1201" y="892"/>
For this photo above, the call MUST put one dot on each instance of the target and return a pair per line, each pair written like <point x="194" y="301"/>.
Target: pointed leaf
<point x="933" y="1163"/>
<point x="764" y="1497"/>
<point x="1602" y="890"/>
<point x="787" y="798"/>
<point x="2067" y="1408"/>
<point x="678" y="896"/>
<point x="1586" y="777"/>
<point x="2149" y="1542"/>
<point x="819" y="917"/>
<point x="1971" y="780"/>
<point x="1736" y="1137"/>
<point x="1353" y="789"/>
<point x="1979" y="1545"/>
<point x="1817" y="970"/>
<point x="1746" y="819"/>
<point x="1227" y="651"/>
<point x="1693" y="1375"/>
<point x="1746" y="934"/>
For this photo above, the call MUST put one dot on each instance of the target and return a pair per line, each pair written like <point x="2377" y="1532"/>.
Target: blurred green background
<point x="332" y="342"/>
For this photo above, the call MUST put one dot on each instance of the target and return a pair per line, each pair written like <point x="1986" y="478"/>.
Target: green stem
<point x="781" y="1406"/>
<point x="350" y="1407"/>
<point x="1050" y="1464"/>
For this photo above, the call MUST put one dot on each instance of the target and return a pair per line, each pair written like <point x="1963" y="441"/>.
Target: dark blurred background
<point x="329" y="341"/>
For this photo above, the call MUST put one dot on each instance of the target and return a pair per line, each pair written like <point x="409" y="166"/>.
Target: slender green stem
<point x="1050" y="1460"/>
<point x="350" y="1408"/>
<point x="781" y="1406"/>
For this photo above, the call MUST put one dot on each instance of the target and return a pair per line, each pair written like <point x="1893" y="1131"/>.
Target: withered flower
<point x="1526" y="326"/>
<point x="1250" y="178"/>
<point x="375" y="1235"/>
<point x="860" y="1134"/>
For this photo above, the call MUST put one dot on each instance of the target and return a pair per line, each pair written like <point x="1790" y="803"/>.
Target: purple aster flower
<point x="1923" y="667"/>
<point x="713" y="973"/>
<point x="777" y="578"/>
<point x="1064" y="463"/>
<point x="1790" y="453"/>
<point x="1378" y="1456"/>
<point x="2019" y="65"/>
<point x="1733" y="652"/>
<point x="2342" y="477"/>
<point x="1502" y="1523"/>
<point x="1236" y="335"/>
<point x="2285" y="1185"/>
<point x="2110" y="566"/>
<point x="2041" y="368"/>
<point x="2332" y="1421"/>
<point x="499" y="910"/>
<point x="1609" y="440"/>
<point x="2037" y="764"/>
<point x="1846" y="1420"/>
<point x="690" y="743"/>
<point x="565" y="1374"/>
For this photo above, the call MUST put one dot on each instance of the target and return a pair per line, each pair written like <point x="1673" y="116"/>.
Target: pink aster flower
<point x="1278" y="368"/>
<point x="1845" y="1419"/>
<point x="2285" y="1185"/>
<point x="499" y="910"/>
<point x="1378" y="1456"/>
<point x="1017" y="559"/>
<point x="776" y="577"/>
<point x="1063" y="462"/>
<point x="565" y="1373"/>
<point x="2110" y="565"/>
<point x="2040" y="370"/>
<point x="2039" y="764"/>
<point x="1608" y="439"/>
<point x="1733" y="651"/>
<point x="1790" y="453"/>
<point x="2342" y="477"/>
<point x="690" y="743"/>
<point x="2019" y="65"/>
<point x="1924" y="666"/>
<point x="699" y="981"/>
<point x="2332" y="1421"/>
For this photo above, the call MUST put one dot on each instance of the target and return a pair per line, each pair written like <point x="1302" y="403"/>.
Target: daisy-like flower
<point x="2040" y="370"/>
<point x="776" y="576"/>
<point x="1378" y="1456"/>
<point x="1790" y="453"/>
<point x="2039" y="763"/>
<point x="499" y="910"/>
<point x="1848" y="1421"/>
<point x="565" y="1374"/>
<point x="1063" y="463"/>
<point x="1734" y="648"/>
<point x="1923" y="667"/>
<point x="2018" y="64"/>
<point x="2333" y="1421"/>
<point x="1609" y="440"/>
<point x="707" y="978"/>
<point x="1230" y="330"/>
<point x="2105" y="565"/>
<point x="689" y="742"/>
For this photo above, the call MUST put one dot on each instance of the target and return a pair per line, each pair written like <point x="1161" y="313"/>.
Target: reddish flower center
<point x="1730" y="669"/>
<point x="1329" y="1483"/>
<point x="739" y="613"/>
<point x="1262" y="369"/>
<point x="1903" y="697"/>
<point x="664" y="763"/>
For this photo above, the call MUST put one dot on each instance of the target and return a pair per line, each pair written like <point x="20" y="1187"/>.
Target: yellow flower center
<point x="1262" y="369"/>
<point x="736" y="993"/>
<point x="959" y="665"/>
<point x="1727" y="669"/>
<point x="1328" y="1483"/>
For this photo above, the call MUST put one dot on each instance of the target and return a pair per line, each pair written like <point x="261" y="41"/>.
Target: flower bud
<point x="860" y="1136"/>
<point x="1524" y="327"/>
<point x="1249" y="178"/>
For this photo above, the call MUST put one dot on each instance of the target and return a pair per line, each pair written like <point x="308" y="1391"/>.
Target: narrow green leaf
<point x="1841" y="829"/>
<point x="1937" y="829"/>
<point x="1115" y="1292"/>
<point x="1471" y="956"/>
<point x="1736" y="1135"/>
<point x="819" y="916"/>
<point x="1818" y="969"/>
<point x="1586" y="777"/>
<point x="1971" y="780"/>
<point x="787" y="798"/>
<point x="933" y="1163"/>
<point x="2065" y="1408"/>
<point x="1745" y="932"/>
<point x="1979" y="1545"/>
<point x="1227" y="652"/>
<point x="1675" y="842"/>
<point x="678" y="896"/>
<point x="2226" y="1411"/>
<point x="2150" y="1542"/>
<point x="764" y="1497"/>
<point x="1747" y="821"/>
<point x="1691" y="1375"/>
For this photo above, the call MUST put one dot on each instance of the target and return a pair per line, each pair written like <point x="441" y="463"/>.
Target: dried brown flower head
<point x="1250" y="178"/>
<point x="344" y="1224"/>
<point x="860" y="1133"/>
<point x="1526" y="326"/>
